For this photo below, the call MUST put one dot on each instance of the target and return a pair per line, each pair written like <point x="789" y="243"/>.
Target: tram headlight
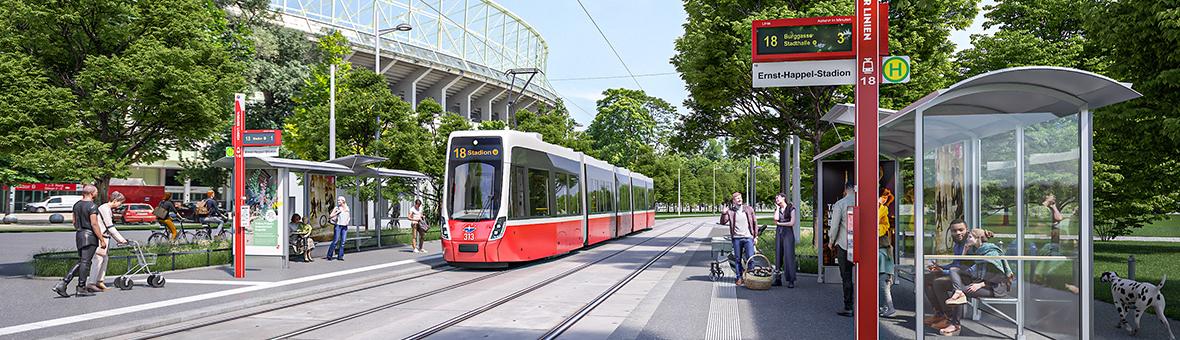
<point x="498" y="230"/>
<point x="445" y="231"/>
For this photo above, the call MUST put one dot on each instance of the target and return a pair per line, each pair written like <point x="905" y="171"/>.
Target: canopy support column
<point x="919" y="231"/>
<point x="1085" y="229"/>
<point x="1020" y="225"/>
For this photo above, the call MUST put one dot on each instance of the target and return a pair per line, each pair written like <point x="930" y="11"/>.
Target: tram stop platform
<point x="696" y="307"/>
<point x="32" y="310"/>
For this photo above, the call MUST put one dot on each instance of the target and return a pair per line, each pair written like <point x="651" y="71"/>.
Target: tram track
<point x="582" y="312"/>
<point x="385" y="283"/>
<point x="353" y="316"/>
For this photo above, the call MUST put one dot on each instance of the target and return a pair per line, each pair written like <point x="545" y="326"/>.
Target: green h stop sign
<point x="895" y="69"/>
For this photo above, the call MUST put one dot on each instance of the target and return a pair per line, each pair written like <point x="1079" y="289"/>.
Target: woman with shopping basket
<point x="743" y="229"/>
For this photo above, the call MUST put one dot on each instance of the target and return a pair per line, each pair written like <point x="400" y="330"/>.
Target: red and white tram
<point x="510" y="197"/>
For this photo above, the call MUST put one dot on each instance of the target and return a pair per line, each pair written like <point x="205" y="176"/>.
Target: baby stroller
<point x="144" y="261"/>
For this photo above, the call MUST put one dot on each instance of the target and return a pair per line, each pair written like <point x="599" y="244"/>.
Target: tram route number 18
<point x="868" y="80"/>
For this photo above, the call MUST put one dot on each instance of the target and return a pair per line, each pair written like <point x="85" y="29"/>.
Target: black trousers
<point x="784" y="251"/>
<point x="87" y="244"/>
<point x="846" y="277"/>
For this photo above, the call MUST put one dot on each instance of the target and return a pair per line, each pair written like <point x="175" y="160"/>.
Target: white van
<point x="54" y="203"/>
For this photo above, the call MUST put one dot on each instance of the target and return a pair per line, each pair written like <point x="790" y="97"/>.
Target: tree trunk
<point x="104" y="185"/>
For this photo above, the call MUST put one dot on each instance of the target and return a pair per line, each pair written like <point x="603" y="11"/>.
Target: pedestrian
<point x="989" y="278"/>
<point x="106" y="223"/>
<point x="838" y="241"/>
<point x="938" y="277"/>
<point x="743" y="230"/>
<point x="884" y="260"/>
<point x="417" y="227"/>
<point x="86" y="238"/>
<point x="785" y="216"/>
<point x="164" y="212"/>
<point x="340" y="216"/>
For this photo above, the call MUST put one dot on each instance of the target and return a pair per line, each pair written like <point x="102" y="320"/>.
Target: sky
<point x="644" y="33"/>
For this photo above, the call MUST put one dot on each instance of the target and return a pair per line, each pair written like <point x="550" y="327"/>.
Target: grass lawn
<point x="1167" y="227"/>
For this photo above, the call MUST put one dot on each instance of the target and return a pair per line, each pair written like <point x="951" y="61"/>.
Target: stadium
<point x="472" y="56"/>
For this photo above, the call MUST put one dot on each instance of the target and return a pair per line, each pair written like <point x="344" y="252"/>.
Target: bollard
<point x="1131" y="267"/>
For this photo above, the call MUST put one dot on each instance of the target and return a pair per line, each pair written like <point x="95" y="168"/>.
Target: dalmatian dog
<point x="1130" y="294"/>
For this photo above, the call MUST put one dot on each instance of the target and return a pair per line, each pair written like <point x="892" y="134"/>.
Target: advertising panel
<point x="321" y="199"/>
<point x="262" y="234"/>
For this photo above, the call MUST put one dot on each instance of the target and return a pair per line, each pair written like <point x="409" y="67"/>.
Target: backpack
<point x="201" y="208"/>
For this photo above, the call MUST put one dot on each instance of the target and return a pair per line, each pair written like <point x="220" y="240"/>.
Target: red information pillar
<point x="865" y="241"/>
<point x="239" y="185"/>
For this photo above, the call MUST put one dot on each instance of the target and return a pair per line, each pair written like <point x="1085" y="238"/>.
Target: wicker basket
<point x="756" y="282"/>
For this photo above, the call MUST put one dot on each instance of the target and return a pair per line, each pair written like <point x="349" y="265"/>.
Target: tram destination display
<point x="816" y="38"/>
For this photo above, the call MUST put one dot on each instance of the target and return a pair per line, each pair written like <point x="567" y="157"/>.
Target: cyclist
<point x="211" y="214"/>
<point x="164" y="213"/>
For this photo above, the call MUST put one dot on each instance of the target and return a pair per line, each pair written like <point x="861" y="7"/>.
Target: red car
<point x="134" y="213"/>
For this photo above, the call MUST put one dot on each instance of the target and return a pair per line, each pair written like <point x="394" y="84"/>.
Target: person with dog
<point x="990" y="278"/>
<point x="743" y="230"/>
<point x="86" y="231"/>
<point x="784" y="240"/>
<point x="939" y="275"/>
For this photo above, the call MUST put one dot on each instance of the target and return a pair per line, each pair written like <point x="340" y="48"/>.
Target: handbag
<point x="422" y="226"/>
<point x="160" y="212"/>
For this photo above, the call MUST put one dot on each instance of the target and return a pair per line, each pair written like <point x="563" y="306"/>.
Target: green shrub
<point x="57" y="263"/>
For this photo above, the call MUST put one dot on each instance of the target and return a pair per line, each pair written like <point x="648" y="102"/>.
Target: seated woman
<point x="986" y="278"/>
<point x="301" y="241"/>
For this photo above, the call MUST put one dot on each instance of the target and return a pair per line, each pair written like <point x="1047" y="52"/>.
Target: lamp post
<point x="679" y="207"/>
<point x="377" y="33"/>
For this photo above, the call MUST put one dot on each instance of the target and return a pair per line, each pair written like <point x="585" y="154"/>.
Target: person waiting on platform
<point x="301" y="242"/>
<point x="784" y="240"/>
<point x="339" y="217"/>
<point x="990" y="278"/>
<point x="939" y="276"/>
<point x="838" y="242"/>
<point x="743" y="230"/>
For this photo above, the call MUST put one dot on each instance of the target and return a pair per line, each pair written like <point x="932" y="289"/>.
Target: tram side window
<point x="518" y="184"/>
<point x="624" y="197"/>
<point x="538" y="193"/>
<point x="592" y="197"/>
<point x="561" y="184"/>
<point x="575" y="195"/>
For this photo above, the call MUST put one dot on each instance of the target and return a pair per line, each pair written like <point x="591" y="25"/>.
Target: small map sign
<point x="895" y="69"/>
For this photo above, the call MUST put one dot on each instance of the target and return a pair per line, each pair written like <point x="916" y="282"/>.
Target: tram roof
<point x="353" y="165"/>
<point x="1001" y="96"/>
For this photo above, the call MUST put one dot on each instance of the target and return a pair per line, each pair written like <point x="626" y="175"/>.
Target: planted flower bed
<point x="168" y="257"/>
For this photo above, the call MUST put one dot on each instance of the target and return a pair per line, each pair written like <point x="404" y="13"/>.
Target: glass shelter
<point x="1009" y="152"/>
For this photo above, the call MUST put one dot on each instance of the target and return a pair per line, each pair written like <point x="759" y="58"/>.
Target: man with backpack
<point x="209" y="213"/>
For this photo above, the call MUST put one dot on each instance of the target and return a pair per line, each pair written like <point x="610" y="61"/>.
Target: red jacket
<point x="727" y="219"/>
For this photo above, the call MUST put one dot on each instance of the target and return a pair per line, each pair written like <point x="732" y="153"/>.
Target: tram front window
<point x="474" y="195"/>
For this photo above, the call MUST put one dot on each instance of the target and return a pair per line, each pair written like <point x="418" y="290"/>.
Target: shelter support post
<point x="1085" y="229"/>
<point x="919" y="231"/>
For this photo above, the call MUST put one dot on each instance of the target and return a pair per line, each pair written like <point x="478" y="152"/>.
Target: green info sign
<point x="266" y="233"/>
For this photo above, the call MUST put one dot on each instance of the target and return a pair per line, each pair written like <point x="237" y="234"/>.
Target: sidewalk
<point x="191" y="293"/>
<point x="696" y="307"/>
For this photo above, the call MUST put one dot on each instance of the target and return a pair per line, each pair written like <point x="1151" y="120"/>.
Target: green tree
<point x="145" y="77"/>
<point x="713" y="58"/>
<point x="1138" y="172"/>
<point x="624" y="130"/>
<point x="40" y="134"/>
<point x="492" y="125"/>
<point x="555" y="126"/>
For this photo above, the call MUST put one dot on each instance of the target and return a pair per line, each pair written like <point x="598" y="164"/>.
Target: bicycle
<point x="162" y="235"/>
<point x="207" y="224"/>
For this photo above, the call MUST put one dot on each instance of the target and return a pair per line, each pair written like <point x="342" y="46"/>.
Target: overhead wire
<point x="615" y="77"/>
<point x="612" y="46"/>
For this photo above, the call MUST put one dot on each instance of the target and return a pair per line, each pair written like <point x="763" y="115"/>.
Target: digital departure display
<point x="804" y="39"/>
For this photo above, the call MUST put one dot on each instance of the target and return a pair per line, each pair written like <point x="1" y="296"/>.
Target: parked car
<point x="54" y="203"/>
<point x="135" y="213"/>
